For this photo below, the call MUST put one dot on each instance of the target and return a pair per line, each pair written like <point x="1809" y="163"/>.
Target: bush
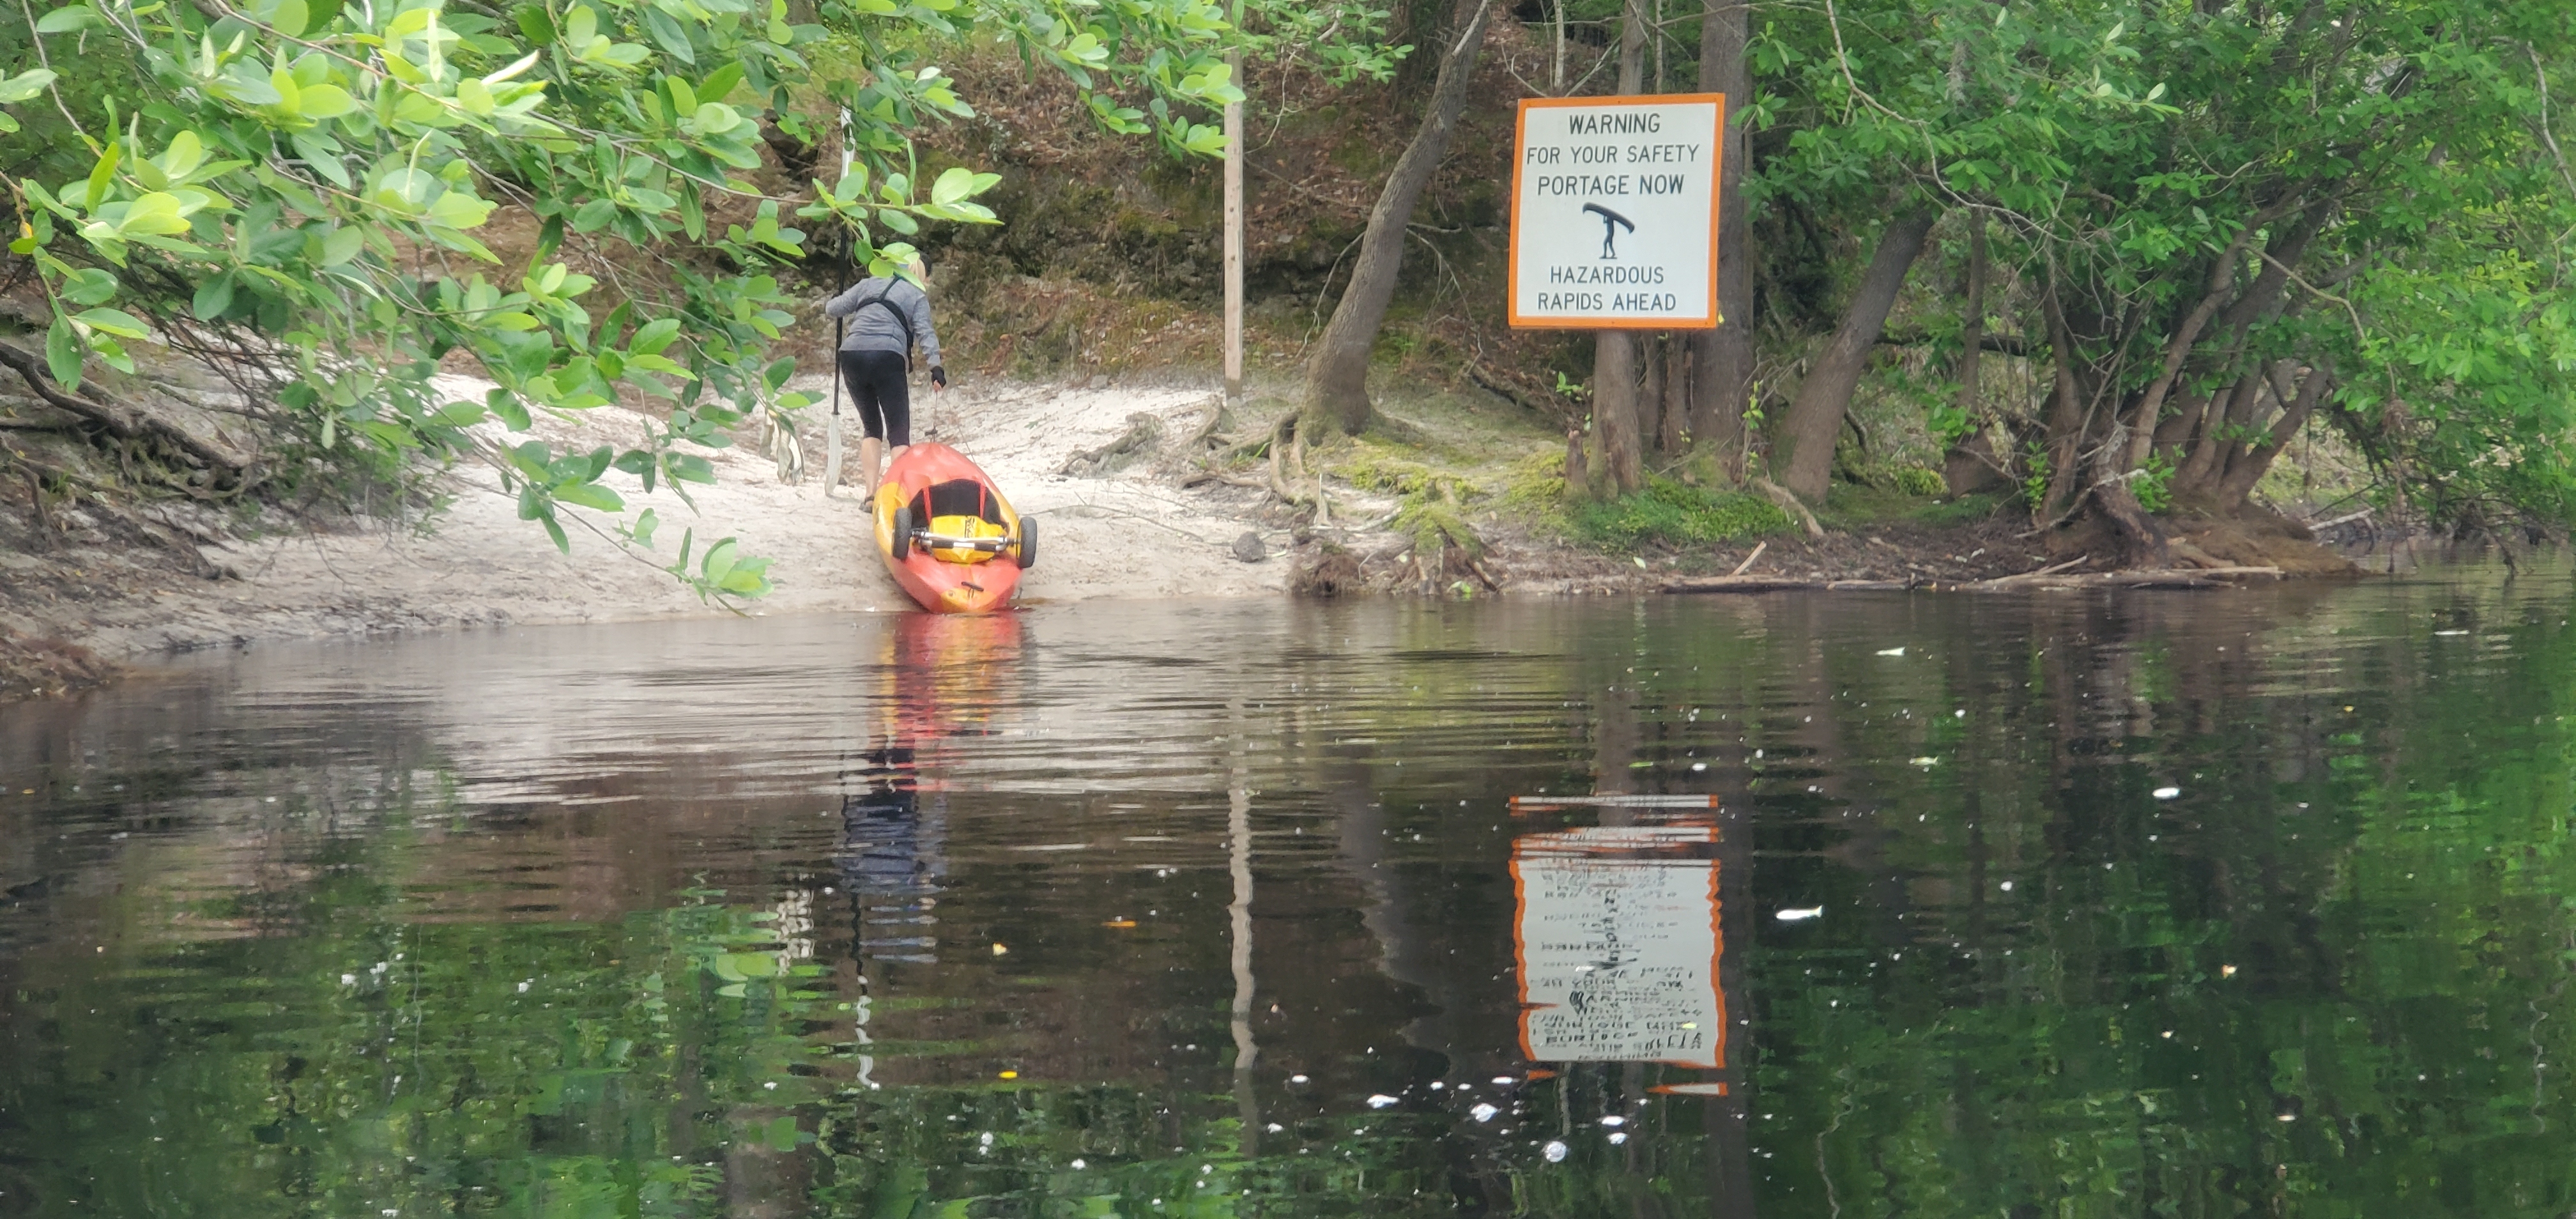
<point x="1676" y="515"/>
<point x="1921" y="480"/>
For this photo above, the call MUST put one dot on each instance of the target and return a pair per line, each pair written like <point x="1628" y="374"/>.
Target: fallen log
<point x="2170" y="577"/>
<point x="1740" y="584"/>
<point x="2177" y="577"/>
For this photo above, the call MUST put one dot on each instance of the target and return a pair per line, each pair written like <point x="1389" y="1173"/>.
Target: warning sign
<point x="1614" y="212"/>
<point x="1618" y="946"/>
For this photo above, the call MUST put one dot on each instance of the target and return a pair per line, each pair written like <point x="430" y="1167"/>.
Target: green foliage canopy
<point x="2189" y="195"/>
<point x="301" y="183"/>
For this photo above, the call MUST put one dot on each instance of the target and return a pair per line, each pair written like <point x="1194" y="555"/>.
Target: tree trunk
<point x="1614" y="409"/>
<point x="1337" y="378"/>
<point x="1650" y="398"/>
<point x="1614" y="352"/>
<point x="2246" y="468"/>
<point x="2070" y="415"/>
<point x="1722" y="359"/>
<point x="1972" y="338"/>
<point x="1816" y="416"/>
<point x="1676" y="397"/>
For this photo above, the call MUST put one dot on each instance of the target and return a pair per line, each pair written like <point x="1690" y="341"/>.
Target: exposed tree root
<point x="130" y="426"/>
<point x="1789" y="503"/>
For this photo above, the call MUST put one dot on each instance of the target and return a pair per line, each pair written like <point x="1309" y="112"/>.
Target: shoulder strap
<point x="899" y="319"/>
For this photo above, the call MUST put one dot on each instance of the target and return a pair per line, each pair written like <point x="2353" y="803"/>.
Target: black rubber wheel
<point x="903" y="533"/>
<point x="1028" y="552"/>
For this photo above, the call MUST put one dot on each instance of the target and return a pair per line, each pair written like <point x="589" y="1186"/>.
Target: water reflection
<point x="1618" y="945"/>
<point x="2162" y="904"/>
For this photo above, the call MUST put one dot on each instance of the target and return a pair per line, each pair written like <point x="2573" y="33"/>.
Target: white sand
<point x="1126" y="535"/>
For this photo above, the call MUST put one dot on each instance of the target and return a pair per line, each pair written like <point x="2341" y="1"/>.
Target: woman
<point x="887" y="315"/>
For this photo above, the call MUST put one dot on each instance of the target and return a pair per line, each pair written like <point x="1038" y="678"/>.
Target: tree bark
<point x="1337" y="377"/>
<point x="1816" y="416"/>
<point x="1650" y="398"/>
<point x="1722" y="359"/>
<point x="1676" y="396"/>
<point x="1972" y="336"/>
<point x="1614" y="352"/>
<point x="1614" y="409"/>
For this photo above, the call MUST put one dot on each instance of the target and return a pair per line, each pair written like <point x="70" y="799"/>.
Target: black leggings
<point x="878" y="389"/>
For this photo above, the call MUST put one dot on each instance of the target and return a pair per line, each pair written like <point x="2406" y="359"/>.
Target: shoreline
<point x="114" y="583"/>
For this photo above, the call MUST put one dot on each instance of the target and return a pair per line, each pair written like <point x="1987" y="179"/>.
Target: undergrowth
<point x="1675" y="514"/>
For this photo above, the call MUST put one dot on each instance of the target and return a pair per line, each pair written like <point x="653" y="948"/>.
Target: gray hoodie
<point x="875" y="328"/>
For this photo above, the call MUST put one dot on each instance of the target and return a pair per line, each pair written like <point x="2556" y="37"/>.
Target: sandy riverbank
<point x="1128" y="534"/>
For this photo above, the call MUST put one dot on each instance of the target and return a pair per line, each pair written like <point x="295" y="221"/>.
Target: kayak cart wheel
<point x="903" y="532"/>
<point x="1027" y="554"/>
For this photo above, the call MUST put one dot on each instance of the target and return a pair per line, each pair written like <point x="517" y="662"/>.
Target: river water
<point x="1855" y="904"/>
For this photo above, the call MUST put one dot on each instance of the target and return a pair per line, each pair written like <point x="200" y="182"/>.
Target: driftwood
<point x="1144" y="431"/>
<point x="2169" y="577"/>
<point x="1745" y="584"/>
<point x="2043" y="581"/>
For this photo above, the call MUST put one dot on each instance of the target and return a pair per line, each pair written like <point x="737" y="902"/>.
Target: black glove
<point x="939" y="375"/>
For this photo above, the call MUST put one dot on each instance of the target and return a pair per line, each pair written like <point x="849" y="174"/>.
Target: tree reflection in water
<point x="1212" y="910"/>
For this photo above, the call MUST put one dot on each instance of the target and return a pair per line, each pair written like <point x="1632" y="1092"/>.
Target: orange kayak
<point x="947" y="535"/>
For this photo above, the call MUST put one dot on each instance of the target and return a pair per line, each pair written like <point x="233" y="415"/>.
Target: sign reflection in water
<point x="1618" y="945"/>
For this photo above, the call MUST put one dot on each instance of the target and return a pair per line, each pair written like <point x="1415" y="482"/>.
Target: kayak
<point x="947" y="535"/>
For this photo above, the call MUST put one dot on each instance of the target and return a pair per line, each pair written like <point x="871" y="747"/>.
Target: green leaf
<point x="720" y="82"/>
<point x="158" y="214"/>
<point x="594" y="215"/>
<point x="591" y="495"/>
<point x="332" y="101"/>
<point x="644" y="527"/>
<point x="101" y="176"/>
<point x="65" y="20"/>
<point x="719" y="562"/>
<point x="213" y="297"/>
<point x="26" y="84"/>
<point x="668" y="35"/>
<point x="321" y="153"/>
<point x="63" y="352"/>
<point x="954" y="185"/>
<point x="653" y="336"/>
<point x="342" y="244"/>
<point x="89" y="286"/>
<point x="715" y="118"/>
<point x="114" y="321"/>
<point x="289" y="18"/>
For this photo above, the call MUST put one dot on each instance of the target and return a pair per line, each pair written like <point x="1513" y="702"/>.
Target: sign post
<point x="1614" y="212"/>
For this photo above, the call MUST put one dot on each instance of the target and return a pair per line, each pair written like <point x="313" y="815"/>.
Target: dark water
<point x="2169" y="904"/>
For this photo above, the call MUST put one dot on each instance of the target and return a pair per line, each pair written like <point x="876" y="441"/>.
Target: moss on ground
<point x="1672" y="513"/>
<point x="1857" y="506"/>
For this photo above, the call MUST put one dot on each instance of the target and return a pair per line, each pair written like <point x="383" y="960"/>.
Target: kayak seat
<point x="960" y="508"/>
<point x="956" y="497"/>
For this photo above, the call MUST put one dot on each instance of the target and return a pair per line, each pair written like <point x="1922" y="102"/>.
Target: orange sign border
<point x="1520" y="152"/>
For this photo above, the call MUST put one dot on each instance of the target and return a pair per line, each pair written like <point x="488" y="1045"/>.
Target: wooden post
<point x="1234" y="230"/>
<point x="832" y="441"/>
